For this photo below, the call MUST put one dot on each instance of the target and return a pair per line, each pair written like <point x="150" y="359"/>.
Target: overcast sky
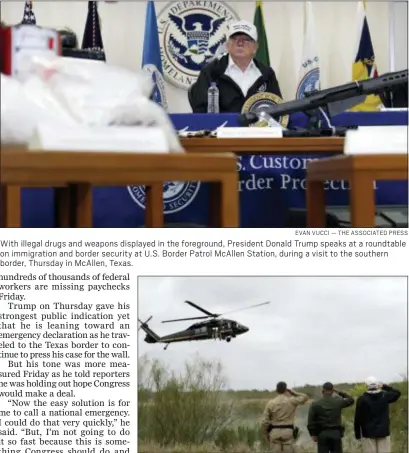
<point x="316" y="329"/>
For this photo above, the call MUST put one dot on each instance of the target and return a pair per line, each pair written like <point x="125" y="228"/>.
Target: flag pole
<point x="391" y="7"/>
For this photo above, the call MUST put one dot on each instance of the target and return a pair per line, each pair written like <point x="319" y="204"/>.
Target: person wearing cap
<point x="278" y="418"/>
<point x="372" y="416"/>
<point x="324" y="419"/>
<point x="237" y="74"/>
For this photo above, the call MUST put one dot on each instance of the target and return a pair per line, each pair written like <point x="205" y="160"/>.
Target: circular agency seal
<point x="176" y="195"/>
<point x="259" y="102"/>
<point x="159" y="92"/>
<point x="190" y="33"/>
<point x="310" y="82"/>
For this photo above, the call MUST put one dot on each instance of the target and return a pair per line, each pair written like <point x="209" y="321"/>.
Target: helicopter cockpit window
<point x="200" y="330"/>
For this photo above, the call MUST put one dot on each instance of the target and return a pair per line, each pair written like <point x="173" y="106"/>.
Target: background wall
<point x="399" y="22"/>
<point x="335" y="22"/>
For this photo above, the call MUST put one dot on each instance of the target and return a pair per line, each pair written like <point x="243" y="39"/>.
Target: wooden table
<point x="285" y="145"/>
<point x="78" y="172"/>
<point x="65" y="197"/>
<point x="361" y="171"/>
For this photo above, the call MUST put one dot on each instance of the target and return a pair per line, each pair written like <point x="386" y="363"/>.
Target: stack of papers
<point x="401" y="109"/>
<point x="377" y="140"/>
<point x="250" y="132"/>
<point x="130" y="139"/>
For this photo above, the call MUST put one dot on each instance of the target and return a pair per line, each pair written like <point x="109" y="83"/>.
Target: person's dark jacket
<point x="231" y="98"/>
<point x="372" y="413"/>
<point x="325" y="414"/>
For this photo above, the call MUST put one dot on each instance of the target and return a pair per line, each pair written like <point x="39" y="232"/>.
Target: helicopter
<point x="215" y="328"/>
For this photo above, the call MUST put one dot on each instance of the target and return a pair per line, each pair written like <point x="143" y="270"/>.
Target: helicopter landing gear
<point x="166" y="346"/>
<point x="228" y="339"/>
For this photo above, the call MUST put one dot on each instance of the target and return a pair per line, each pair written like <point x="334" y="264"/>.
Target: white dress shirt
<point x="244" y="79"/>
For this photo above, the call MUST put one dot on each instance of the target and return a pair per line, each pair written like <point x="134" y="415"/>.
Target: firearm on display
<point x="344" y="96"/>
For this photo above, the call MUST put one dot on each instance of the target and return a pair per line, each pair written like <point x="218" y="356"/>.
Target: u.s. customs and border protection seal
<point x="177" y="195"/>
<point x="190" y="33"/>
<point x="159" y="91"/>
<point x="261" y="101"/>
<point x="310" y="82"/>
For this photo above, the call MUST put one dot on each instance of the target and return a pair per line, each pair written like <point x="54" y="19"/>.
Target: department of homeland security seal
<point x="259" y="102"/>
<point x="310" y="82"/>
<point x="176" y="195"/>
<point x="190" y="32"/>
<point x="159" y="92"/>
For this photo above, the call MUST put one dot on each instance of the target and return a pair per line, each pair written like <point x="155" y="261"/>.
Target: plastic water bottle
<point x="213" y="98"/>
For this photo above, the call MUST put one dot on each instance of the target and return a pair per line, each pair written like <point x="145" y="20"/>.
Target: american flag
<point x="29" y="17"/>
<point x="92" y="39"/>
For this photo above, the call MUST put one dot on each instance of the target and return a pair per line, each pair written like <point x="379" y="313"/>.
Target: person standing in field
<point x="372" y="423"/>
<point x="324" y="419"/>
<point x="278" y="419"/>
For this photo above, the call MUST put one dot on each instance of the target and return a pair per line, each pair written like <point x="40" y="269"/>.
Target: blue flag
<point x="364" y="65"/>
<point x="151" y="58"/>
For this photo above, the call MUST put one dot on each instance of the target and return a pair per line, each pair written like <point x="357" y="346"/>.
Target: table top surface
<point x="57" y="168"/>
<point x="375" y="166"/>
<point x="286" y="145"/>
<point x="386" y="162"/>
<point x="21" y="158"/>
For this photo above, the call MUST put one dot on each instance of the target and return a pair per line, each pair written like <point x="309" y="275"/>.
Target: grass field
<point x="194" y="413"/>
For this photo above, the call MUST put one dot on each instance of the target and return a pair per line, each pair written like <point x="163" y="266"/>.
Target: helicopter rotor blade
<point x="210" y="315"/>
<point x="213" y="315"/>
<point x="186" y="319"/>
<point x="245" y="308"/>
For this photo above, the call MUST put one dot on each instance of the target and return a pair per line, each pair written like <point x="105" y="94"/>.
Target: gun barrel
<point x="335" y="94"/>
<point x="384" y="81"/>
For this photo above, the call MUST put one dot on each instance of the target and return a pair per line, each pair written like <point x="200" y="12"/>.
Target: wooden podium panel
<point x="285" y="145"/>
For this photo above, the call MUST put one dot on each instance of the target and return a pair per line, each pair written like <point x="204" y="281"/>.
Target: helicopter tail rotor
<point x="144" y="324"/>
<point x="151" y="336"/>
